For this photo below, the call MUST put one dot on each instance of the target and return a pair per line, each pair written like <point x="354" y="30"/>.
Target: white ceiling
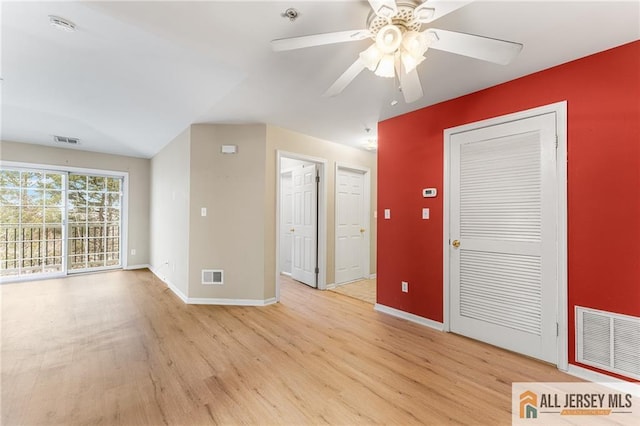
<point x="136" y="74"/>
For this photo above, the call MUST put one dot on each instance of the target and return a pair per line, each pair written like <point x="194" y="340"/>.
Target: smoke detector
<point x="62" y="24"/>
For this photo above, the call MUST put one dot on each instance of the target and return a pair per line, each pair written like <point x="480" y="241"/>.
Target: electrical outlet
<point x="405" y="287"/>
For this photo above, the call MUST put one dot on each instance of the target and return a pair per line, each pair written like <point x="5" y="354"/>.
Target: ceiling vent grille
<point x="213" y="276"/>
<point x="67" y="140"/>
<point x="608" y="341"/>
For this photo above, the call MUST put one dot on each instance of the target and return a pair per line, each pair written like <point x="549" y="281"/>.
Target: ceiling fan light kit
<point x="371" y="57"/>
<point x="400" y="43"/>
<point x="387" y="66"/>
<point x="410" y="62"/>
<point x="389" y="38"/>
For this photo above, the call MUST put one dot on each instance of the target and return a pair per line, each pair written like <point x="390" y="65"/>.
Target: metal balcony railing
<point x="39" y="249"/>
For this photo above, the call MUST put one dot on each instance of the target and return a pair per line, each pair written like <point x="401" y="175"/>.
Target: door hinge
<point x="317" y="270"/>
<point x="556" y="141"/>
<point x="557" y="330"/>
<point x="318" y="179"/>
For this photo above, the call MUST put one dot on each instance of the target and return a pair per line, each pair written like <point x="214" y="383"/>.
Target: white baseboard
<point x="409" y="317"/>
<point x="212" y="301"/>
<point x="172" y="287"/>
<point x="606" y="380"/>
<point x="229" y="302"/>
<point x="175" y="290"/>
<point x="372" y="276"/>
<point x="132" y="267"/>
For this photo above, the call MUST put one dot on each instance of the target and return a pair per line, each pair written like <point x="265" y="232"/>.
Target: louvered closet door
<point x="503" y="214"/>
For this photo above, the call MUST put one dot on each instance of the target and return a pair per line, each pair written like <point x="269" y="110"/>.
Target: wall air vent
<point x="608" y="341"/>
<point x="67" y="140"/>
<point x="213" y="276"/>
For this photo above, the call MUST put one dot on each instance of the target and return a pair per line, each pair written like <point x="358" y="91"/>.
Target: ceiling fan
<point x="400" y="43"/>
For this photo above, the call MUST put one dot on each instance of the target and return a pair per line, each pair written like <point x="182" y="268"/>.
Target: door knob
<point x="292" y="230"/>
<point x="361" y="230"/>
<point x="455" y="243"/>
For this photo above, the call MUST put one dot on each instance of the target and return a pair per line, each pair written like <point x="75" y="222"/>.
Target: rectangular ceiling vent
<point x="608" y="341"/>
<point x="65" y="139"/>
<point x="213" y="276"/>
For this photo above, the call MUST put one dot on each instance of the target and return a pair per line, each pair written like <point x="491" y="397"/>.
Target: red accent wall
<point x="603" y="105"/>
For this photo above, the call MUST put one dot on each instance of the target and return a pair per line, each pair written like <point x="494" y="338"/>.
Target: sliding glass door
<point x="94" y="222"/>
<point x="31" y="222"/>
<point x="53" y="223"/>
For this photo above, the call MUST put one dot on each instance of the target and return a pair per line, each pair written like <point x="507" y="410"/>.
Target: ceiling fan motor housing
<point x="404" y="19"/>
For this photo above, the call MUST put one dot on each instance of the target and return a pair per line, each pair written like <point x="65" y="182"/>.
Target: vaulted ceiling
<point x="135" y="74"/>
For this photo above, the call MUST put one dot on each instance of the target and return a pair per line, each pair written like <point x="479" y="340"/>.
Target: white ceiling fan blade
<point x="409" y="83"/>
<point x="318" y="39"/>
<point x="347" y="77"/>
<point x="384" y="8"/>
<point x="487" y="49"/>
<point x="431" y="10"/>
<point x="411" y="87"/>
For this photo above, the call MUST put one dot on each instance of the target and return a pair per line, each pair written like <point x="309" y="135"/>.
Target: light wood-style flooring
<point x="364" y="290"/>
<point x="120" y="348"/>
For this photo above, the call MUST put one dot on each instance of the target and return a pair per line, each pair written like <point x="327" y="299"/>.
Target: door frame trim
<point x="560" y="110"/>
<point x="366" y="214"/>
<point x="282" y="174"/>
<point x="321" y="164"/>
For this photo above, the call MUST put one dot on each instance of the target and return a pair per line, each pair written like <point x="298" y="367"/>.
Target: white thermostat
<point x="429" y="192"/>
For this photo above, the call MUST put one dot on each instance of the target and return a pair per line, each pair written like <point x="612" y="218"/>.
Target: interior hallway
<point x="364" y="290"/>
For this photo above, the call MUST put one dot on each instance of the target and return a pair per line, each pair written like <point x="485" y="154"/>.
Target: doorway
<point x="301" y="219"/>
<point x="353" y="233"/>
<point x="505" y="232"/>
<point x="304" y="224"/>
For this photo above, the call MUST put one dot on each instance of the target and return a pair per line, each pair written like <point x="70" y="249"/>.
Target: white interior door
<point x="286" y="222"/>
<point x="305" y="246"/>
<point x="351" y="247"/>
<point x="503" y="235"/>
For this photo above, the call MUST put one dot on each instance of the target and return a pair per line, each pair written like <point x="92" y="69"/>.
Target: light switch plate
<point x="387" y="213"/>
<point x="203" y="211"/>
<point x="425" y="213"/>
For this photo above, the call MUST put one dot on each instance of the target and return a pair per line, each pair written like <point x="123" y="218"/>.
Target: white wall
<point x="169" y="218"/>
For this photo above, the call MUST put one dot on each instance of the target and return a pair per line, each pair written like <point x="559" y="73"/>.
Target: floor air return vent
<point x="608" y="341"/>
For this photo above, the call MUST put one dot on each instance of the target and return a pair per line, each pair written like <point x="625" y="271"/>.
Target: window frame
<point x="124" y="214"/>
